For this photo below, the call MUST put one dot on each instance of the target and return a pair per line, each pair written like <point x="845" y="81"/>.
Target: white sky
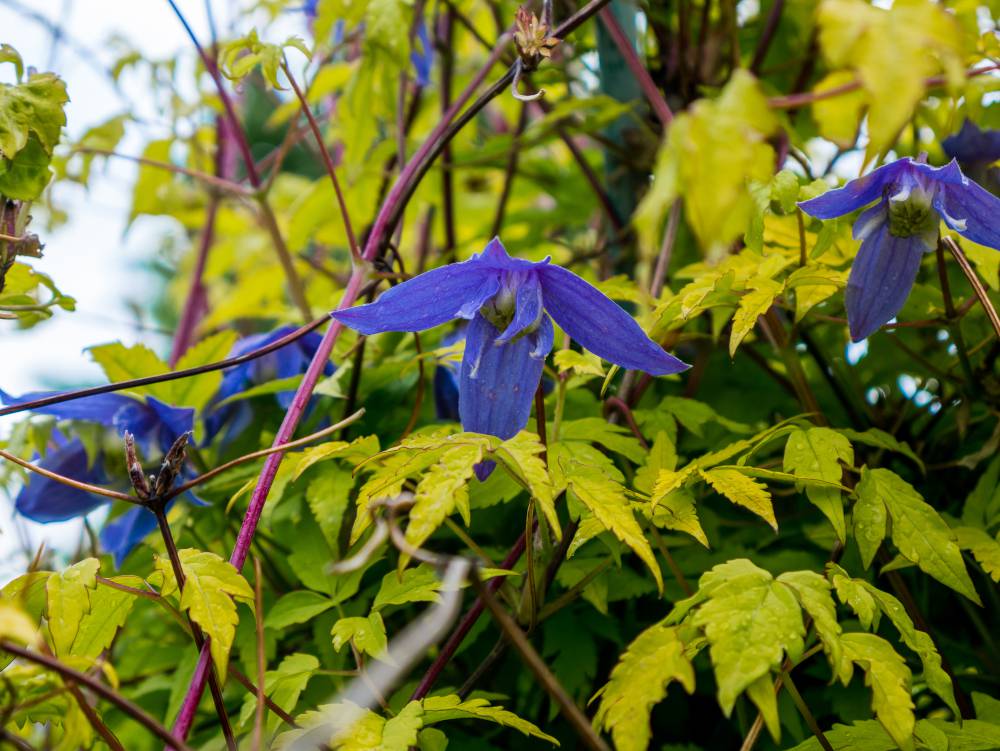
<point x="92" y="257"/>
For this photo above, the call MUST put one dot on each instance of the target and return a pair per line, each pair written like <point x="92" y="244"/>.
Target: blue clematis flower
<point x="446" y="380"/>
<point x="508" y="302"/>
<point x="154" y="424"/>
<point x="422" y="55"/>
<point x="976" y="151"/>
<point x="43" y="500"/>
<point x="289" y="361"/>
<point x="896" y="232"/>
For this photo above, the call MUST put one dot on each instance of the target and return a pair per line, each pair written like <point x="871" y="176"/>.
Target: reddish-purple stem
<point x="646" y="83"/>
<point x="464" y="626"/>
<point x="241" y="137"/>
<point x="197" y="300"/>
<point x="382" y="227"/>
<point x="380" y="230"/>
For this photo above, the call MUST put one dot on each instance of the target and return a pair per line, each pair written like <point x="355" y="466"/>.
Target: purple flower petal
<point x="100" y="408"/>
<point x="881" y="278"/>
<point x="528" y="306"/>
<point x="120" y="536"/>
<point x="970" y="210"/>
<point x="430" y="299"/>
<point x="972" y="144"/>
<point x="855" y="194"/>
<point x="498" y="381"/>
<point x="44" y="500"/>
<point x="601" y="325"/>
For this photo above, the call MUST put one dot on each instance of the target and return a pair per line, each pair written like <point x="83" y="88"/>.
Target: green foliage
<point x="750" y="621"/>
<point x="919" y="533"/>
<point x="775" y="520"/>
<point x="209" y="595"/>
<point x="708" y="156"/>
<point x="639" y="681"/>
<point x="31" y="120"/>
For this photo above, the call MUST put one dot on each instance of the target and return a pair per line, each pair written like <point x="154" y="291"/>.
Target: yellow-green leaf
<point x="366" y="634"/>
<point x="638" y="682"/>
<point x="985" y="549"/>
<point x="606" y="500"/>
<point x="441" y="708"/>
<point x="889" y="679"/>
<point x="68" y="601"/>
<point x="759" y="296"/>
<point x="109" y="607"/>
<point x="918" y="531"/>
<point x="816" y="454"/>
<point x="751" y="623"/>
<point x="743" y="491"/>
<point x="520" y="455"/>
<point x="210" y="586"/>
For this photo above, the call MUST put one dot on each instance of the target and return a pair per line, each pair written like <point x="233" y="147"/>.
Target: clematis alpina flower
<point x="507" y="302"/>
<point x="155" y="425"/>
<point x="896" y="232"/>
<point x="976" y="151"/>
<point x="289" y="361"/>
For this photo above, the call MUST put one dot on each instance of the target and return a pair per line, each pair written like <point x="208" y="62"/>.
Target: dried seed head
<point x="139" y="482"/>
<point x="172" y="464"/>
<point x="532" y="38"/>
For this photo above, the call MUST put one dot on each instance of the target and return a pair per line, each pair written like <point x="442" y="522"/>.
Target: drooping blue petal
<point x="972" y="144"/>
<point x="174" y="421"/>
<point x="601" y="325"/>
<point x="498" y="381"/>
<point x="528" y="302"/>
<point x="44" y="500"/>
<point x="430" y="299"/>
<point x="100" y="408"/>
<point x="446" y="392"/>
<point x="855" y="194"/>
<point x="123" y="533"/>
<point x="970" y="210"/>
<point x="141" y="421"/>
<point x="880" y="280"/>
<point x="422" y="58"/>
<point x="446" y="379"/>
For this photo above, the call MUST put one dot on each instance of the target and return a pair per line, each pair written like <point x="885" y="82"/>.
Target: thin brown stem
<point x="666" y="251"/>
<point x="133" y="710"/>
<point x="295" y="287"/>
<point x="134" y="383"/>
<point x="212" y="181"/>
<point x="328" y="161"/>
<point x="227" y="102"/>
<point x="446" y="48"/>
<point x="86" y="486"/>
<point x="794" y="101"/>
<point x="537" y="666"/>
<point x="180" y="489"/>
<point x="215" y="688"/>
<point x="418" y="400"/>
<point x="978" y="287"/>
<point x="804" y="710"/>
<point x="258" y="725"/>
<point x="656" y="101"/>
<point x="92" y="717"/>
<point x="510" y="171"/>
<point x="767" y="35"/>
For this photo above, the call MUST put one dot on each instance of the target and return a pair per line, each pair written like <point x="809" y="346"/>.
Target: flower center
<point x="910" y="210"/>
<point x="500" y="310"/>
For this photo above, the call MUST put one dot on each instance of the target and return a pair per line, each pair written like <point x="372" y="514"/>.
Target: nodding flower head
<point x="910" y="200"/>
<point x="508" y="303"/>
